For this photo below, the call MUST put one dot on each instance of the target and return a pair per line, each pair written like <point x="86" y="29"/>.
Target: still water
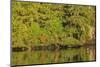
<point x="58" y="56"/>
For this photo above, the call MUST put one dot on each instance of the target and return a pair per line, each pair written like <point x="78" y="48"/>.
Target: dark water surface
<point x="57" y="56"/>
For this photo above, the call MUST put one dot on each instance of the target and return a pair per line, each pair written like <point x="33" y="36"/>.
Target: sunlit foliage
<point x="36" y="24"/>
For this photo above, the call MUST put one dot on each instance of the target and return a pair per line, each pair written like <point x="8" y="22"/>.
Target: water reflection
<point x="58" y="56"/>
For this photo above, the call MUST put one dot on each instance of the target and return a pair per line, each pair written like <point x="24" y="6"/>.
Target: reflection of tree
<point x="43" y="57"/>
<point x="91" y="53"/>
<point x="56" y="57"/>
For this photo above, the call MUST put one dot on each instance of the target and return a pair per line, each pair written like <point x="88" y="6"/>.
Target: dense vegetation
<point x="36" y="24"/>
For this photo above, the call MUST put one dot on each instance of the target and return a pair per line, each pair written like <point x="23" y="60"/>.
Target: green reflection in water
<point x="59" y="56"/>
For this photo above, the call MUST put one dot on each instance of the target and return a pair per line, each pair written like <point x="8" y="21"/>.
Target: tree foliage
<point x="45" y="24"/>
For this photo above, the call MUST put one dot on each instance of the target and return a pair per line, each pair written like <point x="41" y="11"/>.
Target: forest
<point x="46" y="33"/>
<point x="43" y="24"/>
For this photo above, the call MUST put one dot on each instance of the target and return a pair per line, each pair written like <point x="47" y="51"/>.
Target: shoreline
<point x="49" y="47"/>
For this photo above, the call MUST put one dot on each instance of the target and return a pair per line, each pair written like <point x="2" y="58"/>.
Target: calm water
<point x="59" y="56"/>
